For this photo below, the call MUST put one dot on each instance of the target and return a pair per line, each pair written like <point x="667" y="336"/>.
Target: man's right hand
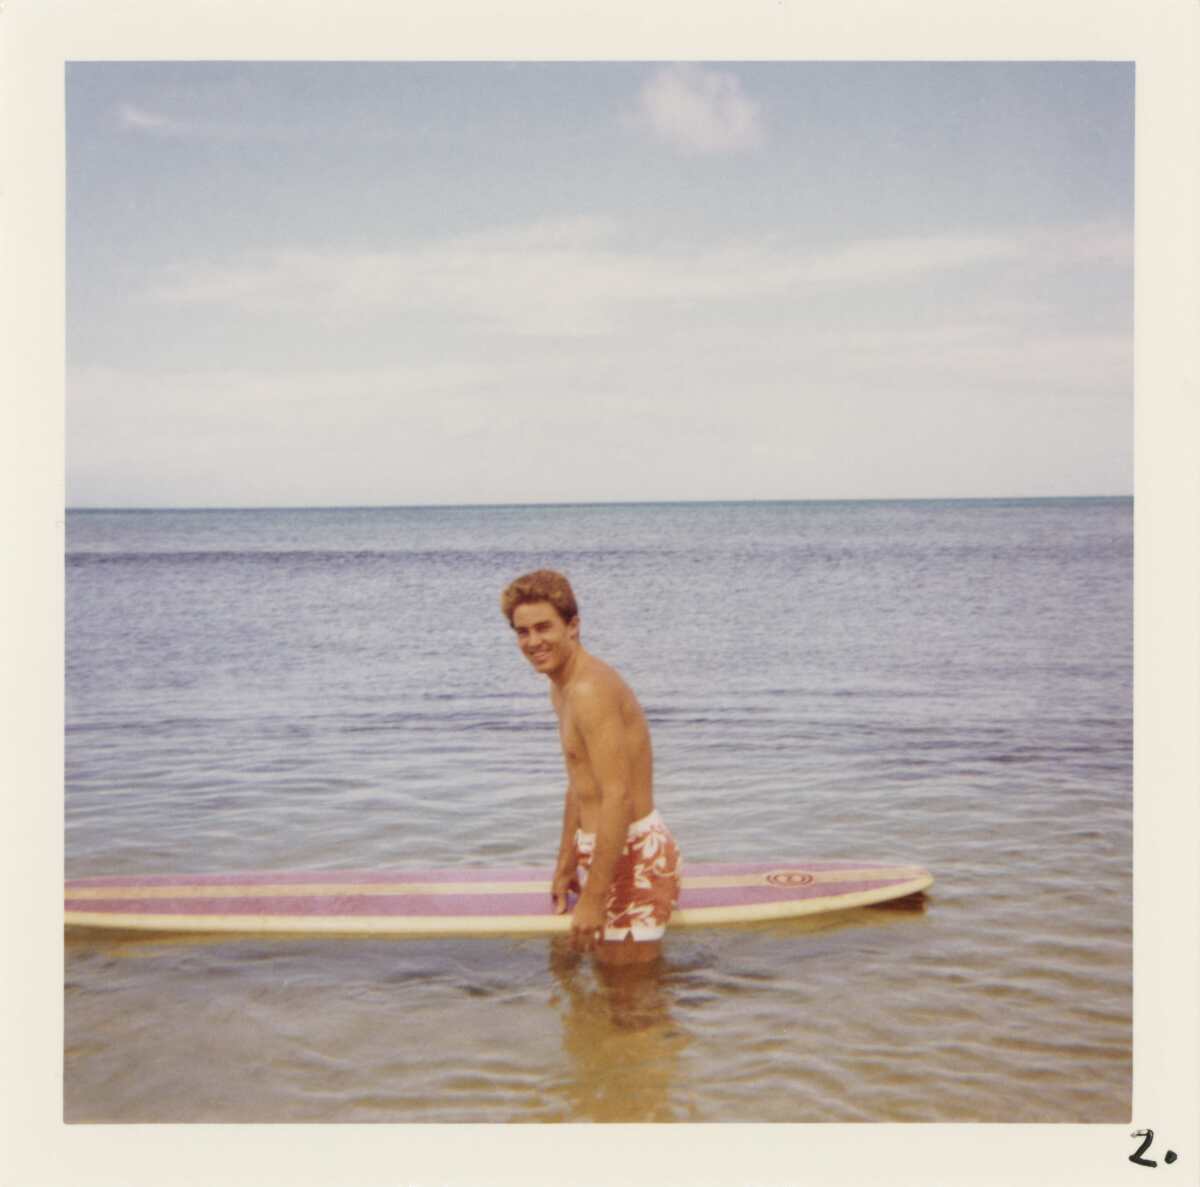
<point x="564" y="883"/>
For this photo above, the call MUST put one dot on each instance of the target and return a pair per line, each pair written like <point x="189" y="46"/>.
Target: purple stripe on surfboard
<point x="396" y="906"/>
<point x="292" y="877"/>
<point x="468" y="874"/>
<point x="415" y="905"/>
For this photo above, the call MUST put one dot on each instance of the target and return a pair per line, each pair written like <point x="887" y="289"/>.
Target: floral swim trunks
<point x="645" y="885"/>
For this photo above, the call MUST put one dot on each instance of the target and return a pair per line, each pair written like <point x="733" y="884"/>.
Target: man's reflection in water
<point x="622" y="1046"/>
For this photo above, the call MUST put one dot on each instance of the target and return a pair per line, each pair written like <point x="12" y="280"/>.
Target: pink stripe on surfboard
<point x="466" y="874"/>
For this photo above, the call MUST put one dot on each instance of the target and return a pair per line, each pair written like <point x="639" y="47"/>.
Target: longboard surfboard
<point x="469" y="902"/>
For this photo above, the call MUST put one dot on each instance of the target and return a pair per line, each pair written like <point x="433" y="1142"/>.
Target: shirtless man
<point x="610" y="828"/>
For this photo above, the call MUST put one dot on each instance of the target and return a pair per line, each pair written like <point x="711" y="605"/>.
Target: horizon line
<point x="585" y="503"/>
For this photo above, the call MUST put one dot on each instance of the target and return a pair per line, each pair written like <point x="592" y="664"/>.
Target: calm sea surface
<point x="942" y="683"/>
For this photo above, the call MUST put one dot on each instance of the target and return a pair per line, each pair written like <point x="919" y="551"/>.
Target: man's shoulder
<point x="594" y="689"/>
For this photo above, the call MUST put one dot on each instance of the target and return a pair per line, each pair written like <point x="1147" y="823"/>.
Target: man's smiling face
<point x="545" y="640"/>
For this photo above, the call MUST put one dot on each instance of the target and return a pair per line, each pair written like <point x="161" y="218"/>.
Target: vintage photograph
<point x="599" y="591"/>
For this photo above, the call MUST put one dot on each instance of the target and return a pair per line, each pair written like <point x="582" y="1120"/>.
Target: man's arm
<point x="565" y="878"/>
<point x="597" y="715"/>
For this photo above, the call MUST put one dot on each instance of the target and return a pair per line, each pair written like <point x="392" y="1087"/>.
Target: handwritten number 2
<point x="1147" y="1136"/>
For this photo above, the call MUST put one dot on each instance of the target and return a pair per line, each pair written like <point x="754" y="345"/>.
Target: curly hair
<point x="543" y="585"/>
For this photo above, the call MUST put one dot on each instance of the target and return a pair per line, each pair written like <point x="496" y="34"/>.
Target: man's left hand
<point x="587" y="925"/>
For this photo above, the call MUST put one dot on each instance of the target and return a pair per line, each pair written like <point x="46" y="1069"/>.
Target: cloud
<point x="141" y="120"/>
<point x="877" y="261"/>
<point x="556" y="277"/>
<point x="741" y="413"/>
<point x="1086" y="243"/>
<point x="154" y="123"/>
<point x="761" y="361"/>
<point x="579" y="278"/>
<point x="700" y="111"/>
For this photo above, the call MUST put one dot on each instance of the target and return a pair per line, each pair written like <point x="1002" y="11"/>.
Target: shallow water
<point x="946" y="684"/>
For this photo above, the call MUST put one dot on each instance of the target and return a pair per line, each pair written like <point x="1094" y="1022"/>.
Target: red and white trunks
<point x="645" y="884"/>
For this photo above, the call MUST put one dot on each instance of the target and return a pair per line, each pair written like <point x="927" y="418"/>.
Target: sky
<point x="304" y="284"/>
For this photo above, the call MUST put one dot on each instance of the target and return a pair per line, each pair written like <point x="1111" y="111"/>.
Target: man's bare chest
<point x="572" y="741"/>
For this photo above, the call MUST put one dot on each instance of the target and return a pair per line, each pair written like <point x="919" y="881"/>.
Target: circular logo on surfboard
<point x="790" y="878"/>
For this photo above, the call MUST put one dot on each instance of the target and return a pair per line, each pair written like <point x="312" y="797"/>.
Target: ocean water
<point x="942" y="683"/>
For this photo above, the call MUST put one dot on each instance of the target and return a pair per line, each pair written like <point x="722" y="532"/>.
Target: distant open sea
<point x="942" y="683"/>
